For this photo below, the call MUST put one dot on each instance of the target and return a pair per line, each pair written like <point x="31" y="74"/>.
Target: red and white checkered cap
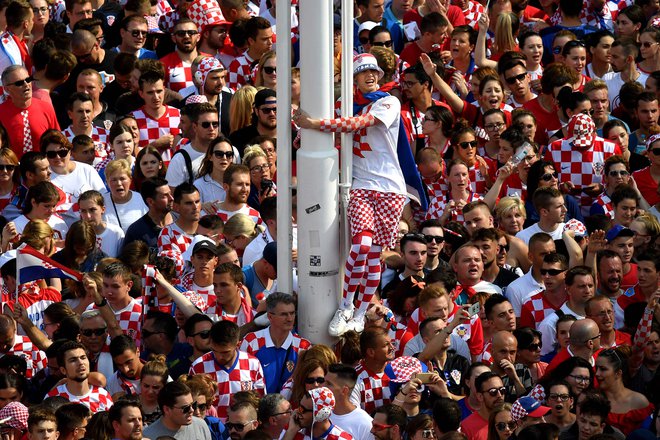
<point x="404" y="368"/>
<point x="655" y="22"/>
<point x="206" y="13"/>
<point x="576" y="226"/>
<point x="653" y="139"/>
<point x="197" y="300"/>
<point x="527" y="406"/>
<point x="206" y="66"/>
<point x="538" y="393"/>
<point x="17" y="414"/>
<point x="196" y="99"/>
<point x="581" y="131"/>
<point x="323" y="402"/>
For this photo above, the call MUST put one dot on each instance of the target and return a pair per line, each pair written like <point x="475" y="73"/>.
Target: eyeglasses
<point x="647" y="44"/>
<point x="534" y="347"/>
<point x="589" y="112"/>
<point x="582" y="379"/>
<point x="314" y="380"/>
<point x="268" y="110"/>
<point x="622" y="173"/>
<point x="269" y="70"/>
<point x="208" y="124"/>
<point x="7" y="168"/>
<point x="146" y="333"/>
<point x="364" y="40"/>
<point x="189" y="33"/>
<point x="552" y="272"/>
<point x="287" y="412"/>
<point x="387" y="43"/>
<point x="501" y="248"/>
<point x="408" y="84"/>
<point x="187" y="408"/>
<point x="514" y="79"/>
<point x="592" y="338"/>
<point x="137" y="33"/>
<point x="89" y="332"/>
<point x="204" y="334"/>
<point x="470" y="144"/>
<point x="496" y="126"/>
<point x="655" y="151"/>
<point x="437" y="238"/>
<point x="220" y="154"/>
<point x="238" y="427"/>
<point x="559" y="397"/>
<point x="257" y="168"/>
<point x="61" y="153"/>
<point x="495" y="391"/>
<point x="301" y="410"/>
<point x="380" y="427"/>
<point x="547" y="177"/>
<point x="41" y="10"/>
<point x="21" y="82"/>
<point x="503" y="426"/>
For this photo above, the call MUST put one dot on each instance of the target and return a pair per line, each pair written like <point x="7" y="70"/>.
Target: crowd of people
<point x="502" y="280"/>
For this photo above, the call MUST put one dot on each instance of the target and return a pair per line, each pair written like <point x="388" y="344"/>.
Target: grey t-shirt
<point x="197" y="430"/>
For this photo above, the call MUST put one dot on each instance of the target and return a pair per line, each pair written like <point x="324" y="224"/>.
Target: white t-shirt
<point x="114" y="384"/>
<point x="83" y="178"/>
<point x="255" y="249"/>
<point x="124" y="214"/>
<point x="614" y="83"/>
<point x="209" y="189"/>
<point x="524" y="287"/>
<point x="527" y="233"/>
<point x="357" y="423"/>
<point x="548" y="328"/>
<point x="176" y="170"/>
<point x="54" y="222"/>
<point x="376" y="166"/>
<point x="111" y="240"/>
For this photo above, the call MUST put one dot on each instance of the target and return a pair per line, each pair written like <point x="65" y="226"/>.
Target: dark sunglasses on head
<point x="53" y="154"/>
<point x="547" y="177"/>
<point x="552" y="272"/>
<point x="220" y="154"/>
<point x="138" y="33"/>
<point x="21" y="82"/>
<point x="387" y="43"/>
<point x="503" y="426"/>
<point x="204" y="334"/>
<point x="208" y="124"/>
<point x="437" y="238"/>
<point x="89" y="332"/>
<point x="314" y="380"/>
<point x="514" y="79"/>
<point x="189" y="33"/>
<point x="269" y="70"/>
<point x="8" y="168"/>
<point x="470" y="144"/>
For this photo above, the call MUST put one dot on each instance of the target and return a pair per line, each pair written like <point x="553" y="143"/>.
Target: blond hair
<point x="252" y="152"/>
<point x="508" y="204"/>
<point x="240" y="108"/>
<point x="118" y="165"/>
<point x="241" y="224"/>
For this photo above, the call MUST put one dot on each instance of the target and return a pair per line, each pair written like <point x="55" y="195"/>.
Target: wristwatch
<point x="103" y="302"/>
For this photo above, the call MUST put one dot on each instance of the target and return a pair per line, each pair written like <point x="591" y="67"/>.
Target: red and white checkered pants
<point x="375" y="211"/>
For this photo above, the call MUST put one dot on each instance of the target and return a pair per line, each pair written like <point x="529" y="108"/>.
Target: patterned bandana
<point x="17" y="413"/>
<point x="652" y="140"/>
<point x="206" y="66"/>
<point x="323" y="402"/>
<point x="581" y="131"/>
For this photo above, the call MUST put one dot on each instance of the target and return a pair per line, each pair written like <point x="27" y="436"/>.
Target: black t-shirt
<point x="504" y="278"/>
<point x="143" y="229"/>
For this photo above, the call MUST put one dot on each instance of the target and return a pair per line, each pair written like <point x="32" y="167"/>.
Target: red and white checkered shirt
<point x="35" y="358"/>
<point x="246" y="209"/>
<point x="535" y="309"/>
<point x="606" y="203"/>
<point x="207" y="293"/>
<point x="178" y="73"/>
<point x="255" y="341"/>
<point x="100" y="138"/>
<point x="582" y="167"/>
<point x="129" y="319"/>
<point x="486" y="356"/>
<point x="334" y="433"/>
<point x="175" y="240"/>
<point x="152" y="129"/>
<point x="246" y="374"/>
<point x="437" y="207"/>
<point x="97" y="399"/>
<point x="240" y="72"/>
<point x="372" y="390"/>
<point x="473" y="12"/>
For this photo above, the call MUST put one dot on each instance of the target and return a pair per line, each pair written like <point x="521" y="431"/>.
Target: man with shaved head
<point x="516" y="379"/>
<point x="469" y="266"/>
<point x="584" y="341"/>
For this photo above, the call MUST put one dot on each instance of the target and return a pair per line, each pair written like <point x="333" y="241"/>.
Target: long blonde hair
<point x="506" y="30"/>
<point x="241" y="224"/>
<point x="240" y="108"/>
<point x="35" y="234"/>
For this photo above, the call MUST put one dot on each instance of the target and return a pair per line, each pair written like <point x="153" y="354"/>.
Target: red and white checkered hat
<point x="581" y="131"/>
<point x="651" y="140"/>
<point x="196" y="99"/>
<point x="17" y="414"/>
<point x="527" y="406"/>
<point x="206" y="66"/>
<point x="576" y="226"/>
<point x="206" y="13"/>
<point x="366" y="61"/>
<point x="405" y="368"/>
<point x="323" y="402"/>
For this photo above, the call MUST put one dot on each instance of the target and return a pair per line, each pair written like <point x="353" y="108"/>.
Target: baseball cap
<point x="527" y="406"/>
<point x="270" y="254"/>
<point x="367" y="26"/>
<point x="7" y="256"/>
<point x="263" y="96"/>
<point x="618" y="231"/>
<point x="205" y="245"/>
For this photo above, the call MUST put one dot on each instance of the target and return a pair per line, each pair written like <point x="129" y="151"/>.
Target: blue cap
<point x="618" y="231"/>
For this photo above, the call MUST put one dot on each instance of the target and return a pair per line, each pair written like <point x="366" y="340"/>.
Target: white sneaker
<point x="338" y="325"/>
<point x="356" y="323"/>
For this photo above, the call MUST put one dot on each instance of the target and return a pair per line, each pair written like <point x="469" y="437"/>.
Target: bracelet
<point x="103" y="302"/>
<point x="401" y="391"/>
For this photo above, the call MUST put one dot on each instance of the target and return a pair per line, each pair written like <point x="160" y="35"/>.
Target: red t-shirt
<point x="41" y="117"/>
<point x="546" y="122"/>
<point x="630" y="278"/>
<point x="454" y="14"/>
<point x="647" y="186"/>
<point x="475" y="427"/>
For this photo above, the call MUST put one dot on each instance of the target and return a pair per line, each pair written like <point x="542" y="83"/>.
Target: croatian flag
<point x="32" y="265"/>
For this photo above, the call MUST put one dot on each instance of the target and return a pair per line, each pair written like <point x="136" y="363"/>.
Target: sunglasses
<point x="589" y="112"/>
<point x="552" y="272"/>
<point x="364" y="40"/>
<point x="622" y="173"/>
<point x="7" y="168"/>
<point x="514" y="79"/>
<point x="647" y="44"/>
<point x="547" y="177"/>
<point x="53" y="154"/>
<point x="208" y="124"/>
<point x="187" y="408"/>
<point x="437" y="238"/>
<point x="387" y="43"/>
<point x="204" y="334"/>
<point x="380" y="427"/>
<point x="89" y="332"/>
<point x="655" y="151"/>
<point x="146" y="333"/>
<point x="501" y="248"/>
<point x="138" y="33"/>
<point x="314" y="380"/>
<point x="268" y="110"/>
<point x="21" y="82"/>
<point x="495" y="391"/>
<point x="189" y="33"/>
<point x="303" y="410"/>
<point x="220" y="154"/>
<point x="269" y="70"/>
<point x="534" y="347"/>
<point x="466" y="145"/>
<point x="238" y="427"/>
<point x="503" y="426"/>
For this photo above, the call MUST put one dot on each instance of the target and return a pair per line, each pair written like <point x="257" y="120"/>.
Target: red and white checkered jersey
<point x="606" y="203"/>
<point x="535" y="309"/>
<point x="246" y="374"/>
<point x="246" y="209"/>
<point x="35" y="358"/>
<point x="99" y="136"/>
<point x="255" y="341"/>
<point x="372" y="390"/>
<point x="240" y="72"/>
<point x="178" y="73"/>
<point x="129" y="319"/>
<point x="97" y="399"/>
<point x="151" y="129"/>
<point x="582" y="167"/>
<point x="334" y="433"/>
<point x="486" y="355"/>
<point x="34" y="299"/>
<point x="207" y="293"/>
<point x="472" y="13"/>
<point x="437" y="207"/>
<point x="175" y="241"/>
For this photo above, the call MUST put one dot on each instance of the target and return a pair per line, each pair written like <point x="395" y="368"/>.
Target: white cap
<point x="366" y="61"/>
<point x="367" y="26"/>
<point x="9" y="255"/>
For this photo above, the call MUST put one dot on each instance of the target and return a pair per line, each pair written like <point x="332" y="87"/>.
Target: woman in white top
<point x="124" y="206"/>
<point x="120" y="141"/>
<point x="108" y="236"/>
<point x="219" y="156"/>
<point x="41" y="201"/>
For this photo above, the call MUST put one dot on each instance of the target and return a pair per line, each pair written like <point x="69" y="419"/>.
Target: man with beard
<point x="177" y="64"/>
<point x="157" y="195"/>
<point x="623" y="54"/>
<point x="127" y="375"/>
<point x="242" y="419"/>
<point x="265" y="115"/>
<point x="469" y="266"/>
<point x="74" y="364"/>
<point x="377" y="351"/>
<point x="126" y="419"/>
<point x="490" y="393"/>
<point x="312" y="420"/>
<point x="197" y="329"/>
<point x="610" y="270"/>
<point x="177" y="405"/>
<point x="414" y="248"/>
<point x="518" y="81"/>
<point x="600" y="310"/>
<point x="389" y="423"/>
<point x="210" y="82"/>
<point x="487" y="242"/>
<point x="236" y="183"/>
